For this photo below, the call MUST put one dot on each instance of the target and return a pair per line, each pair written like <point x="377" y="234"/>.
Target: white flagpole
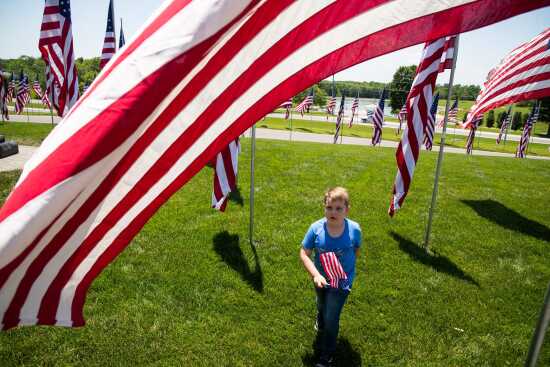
<point x="441" y="146"/>
<point x="540" y="330"/>
<point x="252" y="156"/>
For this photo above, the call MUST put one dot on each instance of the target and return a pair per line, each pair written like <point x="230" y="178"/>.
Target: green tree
<point x="500" y="116"/>
<point x="490" y="122"/>
<point x="400" y="86"/>
<point x="516" y="120"/>
<point x="319" y="96"/>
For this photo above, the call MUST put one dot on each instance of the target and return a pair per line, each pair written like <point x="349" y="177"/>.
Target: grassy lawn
<point x="365" y="131"/>
<point x="191" y="291"/>
<point x="25" y="133"/>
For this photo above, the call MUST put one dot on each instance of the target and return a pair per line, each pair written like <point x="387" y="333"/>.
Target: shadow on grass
<point x="236" y="197"/>
<point x="228" y="248"/>
<point x="508" y="218"/>
<point x="304" y="129"/>
<point x="438" y="262"/>
<point x="345" y="355"/>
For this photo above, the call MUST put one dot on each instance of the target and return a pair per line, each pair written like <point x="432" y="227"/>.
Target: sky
<point x="479" y="50"/>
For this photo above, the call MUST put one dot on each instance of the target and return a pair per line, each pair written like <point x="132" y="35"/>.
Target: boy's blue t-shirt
<point x="317" y="238"/>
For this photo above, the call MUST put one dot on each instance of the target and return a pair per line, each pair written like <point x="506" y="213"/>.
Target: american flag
<point x="36" y="87"/>
<point x="225" y="174"/>
<point x="121" y="39"/>
<point x="430" y="126"/>
<point x="402" y="116"/>
<point x="471" y="136"/>
<point x="3" y="98"/>
<point x="524" y="141"/>
<point x="331" y="103"/>
<point x="11" y="89"/>
<point x="196" y="76"/>
<point x="109" y="42"/>
<point x="506" y="120"/>
<point x="446" y="61"/>
<point x="287" y="105"/>
<point x="56" y="48"/>
<point x="453" y="113"/>
<point x="523" y="74"/>
<point x="306" y="103"/>
<point x="418" y="100"/>
<point x="354" y="106"/>
<point x="339" y="119"/>
<point x="332" y="267"/>
<point x="23" y="95"/>
<point x="378" y="120"/>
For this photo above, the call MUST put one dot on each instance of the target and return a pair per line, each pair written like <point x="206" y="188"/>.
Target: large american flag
<point x="339" y="119"/>
<point x="506" y="120"/>
<point x="523" y="74"/>
<point x="306" y="103"/>
<point x="331" y="103"/>
<point x="225" y="174"/>
<point x="56" y="48"/>
<point x="164" y="107"/>
<point x="354" y="107"/>
<point x="378" y="120"/>
<point x="402" y="116"/>
<point x="527" y="129"/>
<point x="418" y="100"/>
<point x="23" y="94"/>
<point x="287" y="105"/>
<point x="472" y="135"/>
<point x="332" y="267"/>
<point x="430" y="125"/>
<point x="109" y="42"/>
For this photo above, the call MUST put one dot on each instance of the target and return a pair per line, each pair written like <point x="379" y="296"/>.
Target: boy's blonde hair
<point x="337" y="193"/>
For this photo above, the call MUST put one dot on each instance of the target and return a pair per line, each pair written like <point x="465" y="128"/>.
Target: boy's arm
<point x="318" y="279"/>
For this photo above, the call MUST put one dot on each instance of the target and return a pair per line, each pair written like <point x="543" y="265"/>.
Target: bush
<point x="490" y="121"/>
<point x="500" y="118"/>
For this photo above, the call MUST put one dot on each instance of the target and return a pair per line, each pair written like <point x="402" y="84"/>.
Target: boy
<point x="336" y="241"/>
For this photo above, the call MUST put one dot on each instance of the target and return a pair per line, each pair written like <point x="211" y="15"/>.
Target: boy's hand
<point x="320" y="281"/>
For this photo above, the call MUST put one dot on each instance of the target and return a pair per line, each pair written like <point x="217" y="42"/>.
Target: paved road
<point x="17" y="161"/>
<point x="395" y="125"/>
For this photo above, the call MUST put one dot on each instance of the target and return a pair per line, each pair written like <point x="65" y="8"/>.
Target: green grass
<point x="25" y="133"/>
<point x="365" y="131"/>
<point x="190" y="290"/>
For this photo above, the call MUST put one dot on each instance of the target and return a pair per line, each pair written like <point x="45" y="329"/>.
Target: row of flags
<point x="135" y="138"/>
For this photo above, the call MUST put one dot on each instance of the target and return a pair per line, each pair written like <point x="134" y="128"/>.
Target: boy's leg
<point x="334" y="302"/>
<point x="321" y="305"/>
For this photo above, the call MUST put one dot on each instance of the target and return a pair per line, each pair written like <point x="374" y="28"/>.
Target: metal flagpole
<point x="290" y="136"/>
<point x="540" y="330"/>
<point x="252" y="156"/>
<point x="441" y="146"/>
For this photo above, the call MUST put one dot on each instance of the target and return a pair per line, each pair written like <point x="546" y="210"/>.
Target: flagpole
<point x="540" y="330"/>
<point x="290" y="136"/>
<point x="441" y="147"/>
<point x="252" y="157"/>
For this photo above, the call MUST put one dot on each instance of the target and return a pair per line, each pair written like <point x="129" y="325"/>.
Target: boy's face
<point x="335" y="211"/>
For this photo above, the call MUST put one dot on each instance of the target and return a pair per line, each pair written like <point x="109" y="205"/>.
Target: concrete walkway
<point x="17" y="161"/>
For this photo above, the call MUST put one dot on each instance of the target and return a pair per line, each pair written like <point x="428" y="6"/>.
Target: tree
<point x="500" y="116"/>
<point x="400" y="86"/>
<point x="319" y="96"/>
<point x="490" y="122"/>
<point x="516" y="120"/>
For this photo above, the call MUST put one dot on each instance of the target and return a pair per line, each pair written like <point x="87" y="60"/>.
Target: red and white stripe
<point x="225" y="174"/>
<point x="506" y="120"/>
<point x="56" y="48"/>
<point x="332" y="267"/>
<point x="448" y="54"/>
<point x="377" y="122"/>
<point x="37" y="89"/>
<point x="3" y="98"/>
<point x="527" y="129"/>
<point x="418" y="105"/>
<point x="159" y="111"/>
<point x="354" y="107"/>
<point x="331" y="103"/>
<point x="523" y="74"/>
<point x="287" y="105"/>
<point x="471" y="136"/>
<point x="305" y="104"/>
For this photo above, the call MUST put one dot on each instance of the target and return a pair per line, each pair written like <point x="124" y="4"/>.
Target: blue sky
<point x="479" y="50"/>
